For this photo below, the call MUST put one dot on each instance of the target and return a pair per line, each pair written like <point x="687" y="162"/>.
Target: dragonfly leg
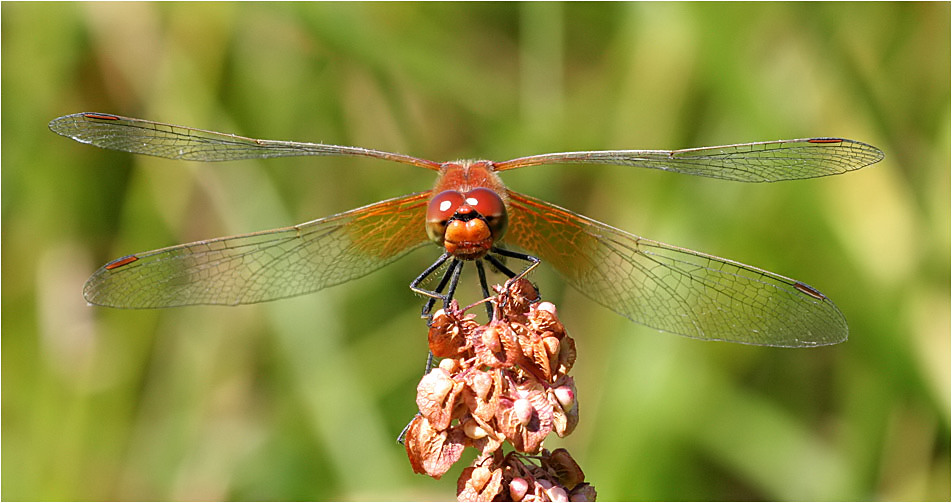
<point x="456" y="267"/>
<point x="485" y="288"/>
<point x="451" y="276"/>
<point x="403" y="433"/>
<point x="533" y="262"/>
<point x="433" y="295"/>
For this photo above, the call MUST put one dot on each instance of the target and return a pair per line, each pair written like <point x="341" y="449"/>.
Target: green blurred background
<point x="302" y="399"/>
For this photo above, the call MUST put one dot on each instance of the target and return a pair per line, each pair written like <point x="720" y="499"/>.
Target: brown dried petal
<point x="443" y="336"/>
<point x="540" y="359"/>
<point x="552" y="346"/>
<point x="525" y="437"/>
<point x="501" y="337"/>
<point x="566" y="354"/>
<point x="432" y="451"/>
<point x="488" y="444"/>
<point x="448" y="331"/>
<point x="563" y="421"/>
<point x="436" y="397"/>
<point x="543" y="318"/>
<point x="493" y="487"/>
<point x="583" y="492"/>
<point x="474" y="486"/>
<point x="532" y="355"/>
<point x="565" y="469"/>
<point x="516" y="297"/>
<point x="570" y="422"/>
<point x="481" y="394"/>
<point x="480" y="482"/>
<point x="444" y="339"/>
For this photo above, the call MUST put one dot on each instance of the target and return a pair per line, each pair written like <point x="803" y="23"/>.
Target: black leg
<point x="500" y="266"/>
<point x="457" y="268"/>
<point x="451" y="276"/>
<point x="437" y="294"/>
<point x="403" y="432"/>
<point x="415" y="284"/>
<point x="533" y="261"/>
<point x="482" y="284"/>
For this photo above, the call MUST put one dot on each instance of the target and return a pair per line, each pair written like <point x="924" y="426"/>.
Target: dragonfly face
<point x="474" y="217"/>
<point x="467" y="214"/>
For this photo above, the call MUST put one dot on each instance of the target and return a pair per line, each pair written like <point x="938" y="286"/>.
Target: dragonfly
<point x="472" y="217"/>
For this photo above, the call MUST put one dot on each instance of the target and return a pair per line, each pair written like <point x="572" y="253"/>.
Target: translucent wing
<point x="674" y="289"/>
<point x="267" y="265"/>
<point x="768" y="161"/>
<point x="177" y="142"/>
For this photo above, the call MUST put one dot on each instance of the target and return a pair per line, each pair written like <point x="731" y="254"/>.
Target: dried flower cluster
<point x="550" y="476"/>
<point x="505" y="381"/>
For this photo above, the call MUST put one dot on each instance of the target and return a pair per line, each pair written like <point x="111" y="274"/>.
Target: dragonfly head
<point x="466" y="224"/>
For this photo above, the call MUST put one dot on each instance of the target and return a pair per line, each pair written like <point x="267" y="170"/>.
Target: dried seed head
<point x="473" y="430"/>
<point x="481" y="383"/>
<point x="526" y="399"/>
<point x="551" y="346"/>
<point x="436" y="397"/>
<point x="479" y="483"/>
<point x="556" y="493"/>
<point x="448" y="331"/>
<point x="449" y="365"/>
<point x="564" y="406"/>
<point x="505" y="381"/>
<point x="546" y="477"/>
<point x="545" y="320"/>
<point x="518" y="295"/>
<point x="565" y="396"/>
<point x="518" y="488"/>
<point x="546" y="306"/>
<point x="495" y="345"/>
<point x="481" y="394"/>
<point x="583" y="492"/>
<point x="490" y="339"/>
<point x="565" y="469"/>
<point x="522" y="411"/>
<point x="433" y="451"/>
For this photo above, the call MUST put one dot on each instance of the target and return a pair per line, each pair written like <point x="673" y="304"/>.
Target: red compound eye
<point x="442" y="207"/>
<point x="490" y="206"/>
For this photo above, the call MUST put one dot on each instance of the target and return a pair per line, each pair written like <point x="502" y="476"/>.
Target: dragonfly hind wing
<point x="674" y="289"/>
<point x="266" y="265"/>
